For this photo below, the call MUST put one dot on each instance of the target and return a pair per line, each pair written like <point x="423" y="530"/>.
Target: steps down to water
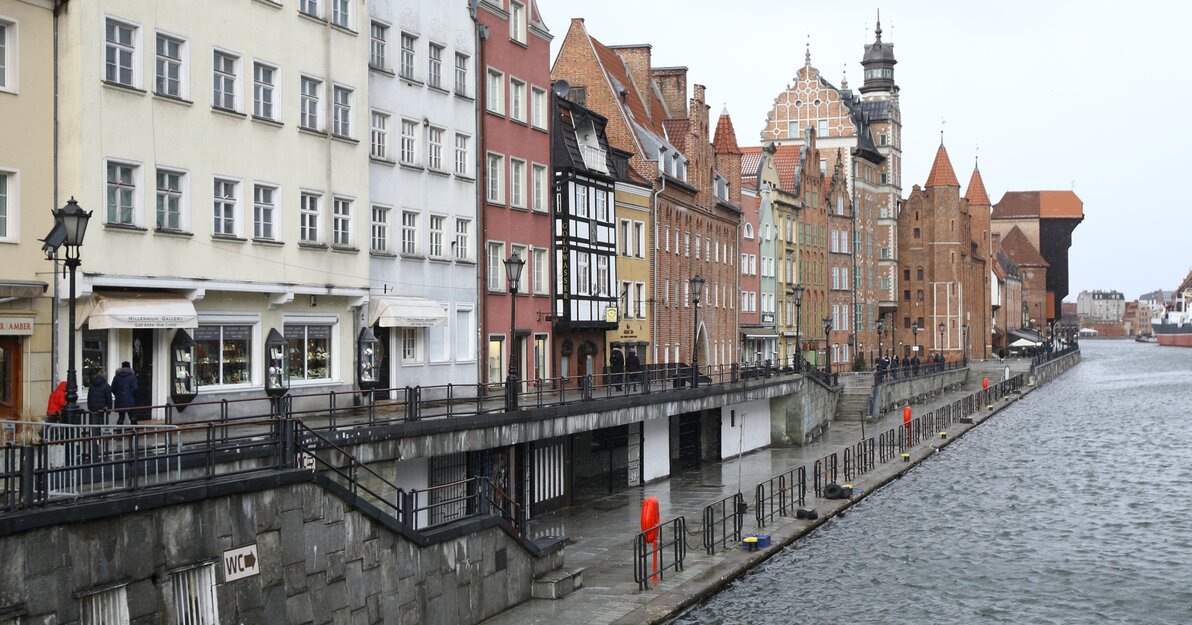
<point x="854" y="399"/>
<point x="558" y="583"/>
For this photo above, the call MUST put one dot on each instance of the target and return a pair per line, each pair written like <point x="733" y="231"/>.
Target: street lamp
<point x="915" y="332"/>
<point x="941" y="337"/>
<point x="881" y="325"/>
<point x="798" y="337"/>
<point x="697" y="288"/>
<point x="827" y="348"/>
<point x="513" y="270"/>
<point x="964" y="354"/>
<point x="71" y="222"/>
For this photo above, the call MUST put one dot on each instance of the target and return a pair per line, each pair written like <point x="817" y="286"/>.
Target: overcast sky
<point x="1058" y="95"/>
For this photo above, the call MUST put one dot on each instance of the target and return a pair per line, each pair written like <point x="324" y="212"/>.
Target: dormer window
<point x="722" y="188"/>
<point x="594" y="155"/>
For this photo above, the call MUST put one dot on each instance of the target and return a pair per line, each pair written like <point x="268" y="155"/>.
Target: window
<point x="436" y="235"/>
<point x="517" y="183"/>
<point x="434" y="148"/>
<point x="341" y="221"/>
<point x="341" y="111"/>
<point x="378" y="134"/>
<point x="223" y="95"/>
<point x="119" y="53"/>
<point x="698" y="243"/>
<point x="409" y="142"/>
<point x="169" y="199"/>
<point x="308" y="116"/>
<point x="168" y="67"/>
<point x="308" y="218"/>
<point x="4" y="195"/>
<point x="524" y="278"/>
<point x="538" y="107"/>
<point x="602" y="275"/>
<point x="495" y="101"/>
<point x="224" y="207"/>
<point x="263" y="84"/>
<point x="263" y="210"/>
<point x="407" y="55"/>
<point x="919" y="295"/>
<point x="540" y="183"/>
<point x="686" y="244"/>
<point x="517" y="22"/>
<point x="380" y="230"/>
<point x="309" y="7"/>
<point x="844" y="241"/>
<point x="541" y="272"/>
<point x="583" y="274"/>
<point x="461" y="74"/>
<point x="496" y="266"/>
<point x="461" y="155"/>
<point x="495" y="185"/>
<point x="822" y="131"/>
<point x="107" y="607"/>
<point x="7" y="50"/>
<point x="918" y="233"/>
<point x="600" y="196"/>
<point x="626" y="245"/>
<point x="434" y="74"/>
<point x="496" y="346"/>
<point x="918" y="273"/>
<point x="411" y="345"/>
<point x="517" y="99"/>
<point x="341" y="13"/>
<point x="310" y="351"/>
<point x="640" y="300"/>
<point x="409" y="232"/>
<point x="462" y="228"/>
<point x="581" y="202"/>
<point x="121" y="193"/>
<point x="379" y="33"/>
<point x="223" y="354"/>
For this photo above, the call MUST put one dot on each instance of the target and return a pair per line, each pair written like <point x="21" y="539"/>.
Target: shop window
<point x="310" y="351"/>
<point x="95" y="354"/>
<point x="224" y="354"/>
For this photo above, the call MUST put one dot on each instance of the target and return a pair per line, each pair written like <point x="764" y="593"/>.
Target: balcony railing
<point x="595" y="158"/>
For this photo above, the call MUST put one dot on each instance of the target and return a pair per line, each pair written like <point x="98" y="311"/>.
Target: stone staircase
<point x="854" y="400"/>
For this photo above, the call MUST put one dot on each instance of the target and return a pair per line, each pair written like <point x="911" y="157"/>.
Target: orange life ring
<point x="650" y="518"/>
<point x="906" y="414"/>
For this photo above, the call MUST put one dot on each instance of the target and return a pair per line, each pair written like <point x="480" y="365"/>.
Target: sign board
<point x="16" y="326"/>
<point x="240" y="563"/>
<point x="306" y="460"/>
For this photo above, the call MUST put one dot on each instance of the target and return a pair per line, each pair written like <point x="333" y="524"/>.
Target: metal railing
<point x="826" y="471"/>
<point x="779" y="495"/>
<point x="723" y="521"/>
<point x="859" y="459"/>
<point x="647" y="553"/>
<point x="907" y="371"/>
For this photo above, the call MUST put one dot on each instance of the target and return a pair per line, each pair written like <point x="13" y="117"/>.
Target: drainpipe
<point x="481" y="37"/>
<point x="654" y="269"/>
<point x="58" y="5"/>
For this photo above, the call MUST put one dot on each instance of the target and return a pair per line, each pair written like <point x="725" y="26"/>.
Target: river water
<point x="1072" y="506"/>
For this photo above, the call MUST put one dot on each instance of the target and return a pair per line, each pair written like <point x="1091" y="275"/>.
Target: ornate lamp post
<point x="72" y="221"/>
<point x="915" y="332"/>
<point x="827" y="347"/>
<point x="881" y="326"/>
<point x="513" y="270"/>
<point x="697" y="289"/>
<point x="798" y="290"/>
<point x="964" y="357"/>
<point x="941" y="337"/>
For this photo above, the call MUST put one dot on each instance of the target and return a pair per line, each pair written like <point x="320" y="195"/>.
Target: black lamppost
<point x="964" y="353"/>
<point x="71" y="222"/>
<point x="827" y="347"/>
<point x="881" y="326"/>
<point x="697" y="289"/>
<point x="513" y="270"/>
<point x="915" y="332"/>
<point x="941" y="338"/>
<point x="798" y="290"/>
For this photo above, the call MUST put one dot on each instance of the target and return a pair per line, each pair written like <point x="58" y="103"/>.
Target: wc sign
<point x="240" y="563"/>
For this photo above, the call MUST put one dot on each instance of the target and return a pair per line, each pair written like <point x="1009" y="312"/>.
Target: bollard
<point x="943" y="435"/>
<point x="906" y="457"/>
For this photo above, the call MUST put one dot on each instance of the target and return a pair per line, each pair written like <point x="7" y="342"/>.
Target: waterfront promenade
<point x="602" y="530"/>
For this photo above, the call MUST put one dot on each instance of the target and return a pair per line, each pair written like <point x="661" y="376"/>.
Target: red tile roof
<point x="724" y="141"/>
<point x="616" y="71"/>
<point x="942" y="174"/>
<point x="676" y="132"/>
<point x="1021" y="250"/>
<point x="1044" y="204"/>
<point x="751" y="159"/>
<point x="976" y="194"/>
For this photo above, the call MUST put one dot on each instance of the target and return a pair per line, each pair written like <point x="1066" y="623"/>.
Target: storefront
<point x="411" y="332"/>
<point x="24" y="347"/>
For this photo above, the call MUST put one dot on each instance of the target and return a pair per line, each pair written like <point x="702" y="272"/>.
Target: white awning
<point x="406" y="311"/>
<point x="139" y="310"/>
<point x="759" y="334"/>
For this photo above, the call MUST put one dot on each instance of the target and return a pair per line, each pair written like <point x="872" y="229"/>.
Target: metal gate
<point x="634" y="454"/>
<point x="444" y="470"/>
<point x="548" y="475"/>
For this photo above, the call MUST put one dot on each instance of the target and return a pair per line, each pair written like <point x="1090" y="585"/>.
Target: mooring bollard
<point x="906" y="457"/>
<point x="943" y="435"/>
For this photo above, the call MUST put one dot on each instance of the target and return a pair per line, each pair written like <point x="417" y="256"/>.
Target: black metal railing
<point x="723" y="521"/>
<point x="860" y="458"/>
<point x="887" y="445"/>
<point x="1045" y="356"/>
<point x="826" y="471"/>
<point x="908" y="371"/>
<point x="650" y="557"/>
<point x="780" y="495"/>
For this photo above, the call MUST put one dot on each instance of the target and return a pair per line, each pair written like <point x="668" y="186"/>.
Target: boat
<point x="1145" y="338"/>
<point x="1173" y="326"/>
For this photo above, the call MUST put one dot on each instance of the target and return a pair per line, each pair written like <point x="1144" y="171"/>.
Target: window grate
<point x="194" y="596"/>
<point x="108" y="607"/>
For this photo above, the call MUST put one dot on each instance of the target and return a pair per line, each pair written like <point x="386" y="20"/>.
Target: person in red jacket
<point x="57" y="403"/>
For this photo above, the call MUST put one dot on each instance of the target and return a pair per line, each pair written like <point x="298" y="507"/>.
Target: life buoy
<point x="906" y="414"/>
<point x="650" y="519"/>
<point x="985" y="384"/>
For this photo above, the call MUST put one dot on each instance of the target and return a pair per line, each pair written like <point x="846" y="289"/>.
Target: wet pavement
<point x="602" y="530"/>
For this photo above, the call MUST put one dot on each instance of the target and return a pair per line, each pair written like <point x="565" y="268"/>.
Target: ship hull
<point x="1173" y="335"/>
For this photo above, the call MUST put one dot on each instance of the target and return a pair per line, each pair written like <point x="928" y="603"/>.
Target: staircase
<point x="854" y="400"/>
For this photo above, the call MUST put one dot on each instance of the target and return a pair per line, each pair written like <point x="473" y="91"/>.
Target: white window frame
<point x="194" y="596"/>
<point x="310" y="222"/>
<point x="379" y="229"/>
<point x="517" y="99"/>
<point x="378" y="135"/>
<point x="343" y="99"/>
<point x="461" y="74"/>
<point x="409" y="55"/>
<point x="219" y="99"/>
<point x="411" y="345"/>
<point x="434" y="147"/>
<point x="133" y="188"/>
<point x="495" y="255"/>
<point x="583" y="273"/>
<point x="180" y="195"/>
<point x="378" y="46"/>
<point x="234" y="199"/>
<point x="541" y="271"/>
<point x="639" y="234"/>
<point x="523" y="281"/>
<point x="435" y="235"/>
<point x="306" y="322"/>
<point x="517" y="182"/>
<point x="310" y="103"/>
<point x="260" y="207"/>
<point x="538" y="107"/>
<point x="408" y="151"/>
<point x="494" y="173"/>
<point x="462" y="155"/>
<point x="463" y="234"/>
<point x="494" y="94"/>
<point x="518" y="21"/>
<point x="182" y="90"/>
<point x="409" y="233"/>
<point x="9" y="200"/>
<point x="10" y="62"/>
<point x="434" y="65"/>
<point x="341" y="13"/>
<point x="309" y="7"/>
<point x="132" y="47"/>
<point x="342" y="232"/>
<point x="540" y="183"/>
<point x="266" y="94"/>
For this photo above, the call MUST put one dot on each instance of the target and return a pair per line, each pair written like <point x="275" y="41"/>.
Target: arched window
<point x="748" y="231"/>
<point x="919" y="273"/>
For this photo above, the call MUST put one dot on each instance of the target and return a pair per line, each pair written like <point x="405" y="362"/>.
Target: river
<point x="1071" y="506"/>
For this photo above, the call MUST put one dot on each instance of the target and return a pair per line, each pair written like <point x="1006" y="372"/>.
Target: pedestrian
<point x="633" y="365"/>
<point x="57" y="403"/>
<point x="124" y="388"/>
<point x="616" y="366"/>
<point x="99" y="398"/>
<point x="915" y="364"/>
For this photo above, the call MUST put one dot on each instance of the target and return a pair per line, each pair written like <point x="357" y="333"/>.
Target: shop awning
<point x="759" y="334"/>
<point x="1023" y="333"/>
<point x="402" y="311"/>
<point x="22" y="288"/>
<point x="139" y="310"/>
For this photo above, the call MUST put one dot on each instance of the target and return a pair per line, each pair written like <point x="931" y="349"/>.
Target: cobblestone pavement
<point x="602" y="530"/>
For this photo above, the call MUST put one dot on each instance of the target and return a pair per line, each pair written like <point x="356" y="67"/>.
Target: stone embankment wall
<point x="1048" y="371"/>
<point x="319" y="562"/>
<point x="801" y="417"/>
<point x="890" y="393"/>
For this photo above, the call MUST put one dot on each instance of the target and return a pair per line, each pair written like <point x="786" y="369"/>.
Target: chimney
<point x="637" y="61"/>
<point x="672" y="84"/>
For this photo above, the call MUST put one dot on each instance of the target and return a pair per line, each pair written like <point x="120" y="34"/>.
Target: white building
<point x="422" y="142"/>
<point x="224" y="152"/>
<point x="1104" y="306"/>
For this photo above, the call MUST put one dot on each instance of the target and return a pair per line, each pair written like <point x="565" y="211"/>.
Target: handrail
<point x="777" y="495"/>
<point x="731" y="508"/>
<point x="644" y="551"/>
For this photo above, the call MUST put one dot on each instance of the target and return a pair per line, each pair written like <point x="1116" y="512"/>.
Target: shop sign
<point x="16" y="326"/>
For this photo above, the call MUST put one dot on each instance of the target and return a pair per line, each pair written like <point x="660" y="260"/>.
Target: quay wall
<point x="1050" y="370"/>
<point x="802" y="417"/>
<point x="889" y="394"/>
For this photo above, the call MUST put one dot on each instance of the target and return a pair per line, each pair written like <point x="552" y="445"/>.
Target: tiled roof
<point x="1044" y="204"/>
<point x="751" y="159"/>
<point x="942" y="174"/>
<point x="618" y="75"/>
<point x="1021" y="250"/>
<point x="676" y="132"/>
<point x="877" y="110"/>
<point x="724" y="141"/>
<point x="976" y="194"/>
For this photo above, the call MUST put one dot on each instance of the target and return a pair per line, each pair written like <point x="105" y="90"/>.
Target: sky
<point x="1050" y="95"/>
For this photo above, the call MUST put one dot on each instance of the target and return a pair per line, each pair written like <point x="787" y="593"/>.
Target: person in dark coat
<point x="99" y="398"/>
<point x="124" y="389"/>
<point x="616" y="366"/>
<point x="633" y="366"/>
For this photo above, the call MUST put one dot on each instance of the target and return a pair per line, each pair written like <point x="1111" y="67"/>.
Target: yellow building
<point x="26" y="198"/>
<point x="634" y="249"/>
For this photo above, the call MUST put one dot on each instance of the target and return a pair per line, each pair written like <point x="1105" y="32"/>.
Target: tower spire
<point x="807" y="56"/>
<point x="878" y="31"/>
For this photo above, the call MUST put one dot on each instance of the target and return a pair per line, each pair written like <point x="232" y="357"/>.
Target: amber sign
<point x="18" y="326"/>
